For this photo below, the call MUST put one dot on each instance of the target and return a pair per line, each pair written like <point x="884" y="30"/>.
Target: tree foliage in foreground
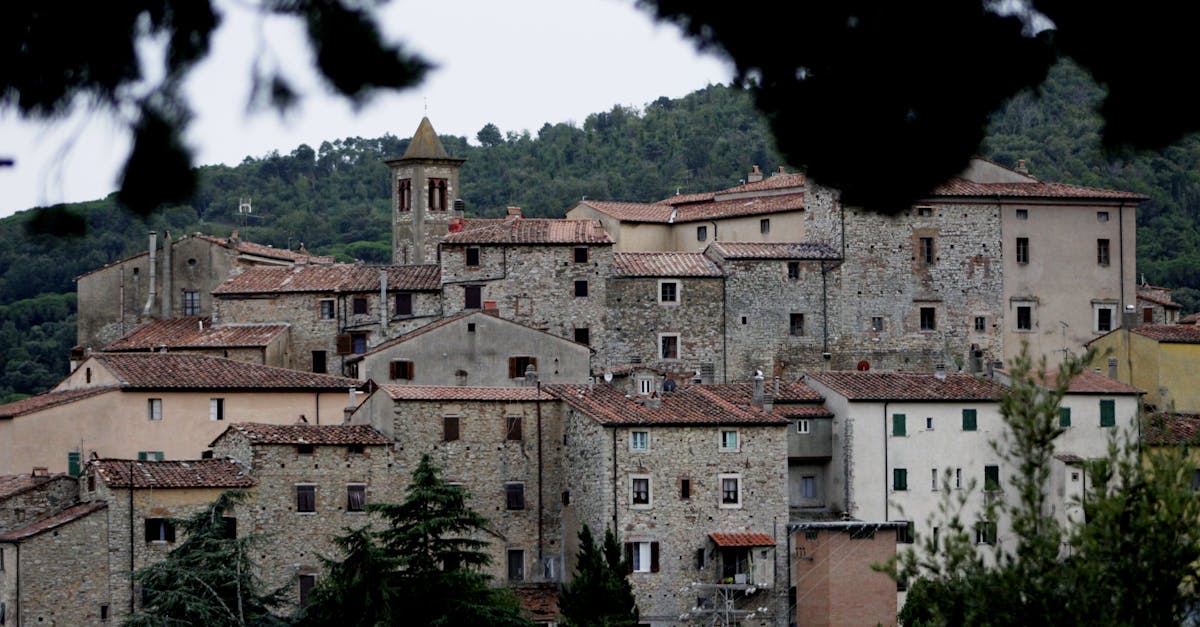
<point x="1134" y="561"/>
<point x="599" y="595"/>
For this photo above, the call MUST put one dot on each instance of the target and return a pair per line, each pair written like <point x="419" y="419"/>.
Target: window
<point x="928" y="319"/>
<point x="1108" y="413"/>
<point x="645" y="386"/>
<point x="512" y="427"/>
<point x="73" y="463"/>
<point x="519" y="364"/>
<point x="640" y="493"/>
<point x="581" y="254"/>
<point x="958" y="478"/>
<point x="764" y="226"/>
<point x="404" y="304"/>
<point x="1022" y="214"/>
<point x="924" y="212"/>
<point x="403" y="193"/>
<point x="87" y="375"/>
<point x="400" y="369"/>
<point x="929" y="423"/>
<point x="899" y="479"/>
<point x="796" y="324"/>
<point x="1148" y="315"/>
<point x="516" y="565"/>
<point x="668" y="347"/>
<point x="639" y="441"/>
<point x="877" y="323"/>
<point x="969" y="420"/>
<point x="906" y="534"/>
<point x="583" y="335"/>
<point x="808" y="487"/>
<point x="668" y="292"/>
<point x="1104" y="317"/>
<point x="1102" y="216"/>
<point x="729" y="440"/>
<point x="991" y="478"/>
<point x="150" y="456"/>
<point x="1024" y="318"/>
<point x="933" y="479"/>
<point x="360" y="306"/>
<point x="154" y="409"/>
<point x="356" y="497"/>
<point x="437" y="194"/>
<point x="1022" y="250"/>
<point x="925" y="251"/>
<point x="803" y="426"/>
<point x="304" y="449"/>
<point x="985" y="532"/>
<point x="191" y="302"/>
<point x="318" y="362"/>
<point x="159" y="530"/>
<point x="514" y="496"/>
<point x="449" y="428"/>
<point x="355" y="450"/>
<point x="1102" y="252"/>
<point x="306" y="497"/>
<point x="326" y="308"/>
<point x="702" y="233"/>
<point x="793" y="268"/>
<point x="306" y="581"/>
<point x="685" y="489"/>
<point x="472" y="257"/>
<point x="216" y="409"/>
<point x="473" y="297"/>
<point x="980" y="323"/>
<point x="642" y="556"/>
<point x="898" y="426"/>
<point x="358" y="343"/>
<point x="1064" y="417"/>
<point x="1195" y="488"/>
<point x="104" y="608"/>
<point x="731" y="490"/>
<point x="581" y="288"/>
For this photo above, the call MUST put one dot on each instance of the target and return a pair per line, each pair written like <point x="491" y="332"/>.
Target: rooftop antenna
<point x="245" y="211"/>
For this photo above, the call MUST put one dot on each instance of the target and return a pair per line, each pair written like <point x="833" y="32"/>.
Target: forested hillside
<point x="334" y="198"/>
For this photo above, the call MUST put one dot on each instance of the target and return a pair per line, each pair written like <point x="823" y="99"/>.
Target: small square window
<point x="472" y="257"/>
<point x="702" y="233"/>
<point x="472" y="297"/>
<point x="581" y="288"/>
<point x="401" y="369"/>
<point x="304" y="449"/>
<point x="360" y="306"/>
<point x="729" y="440"/>
<point x="764" y="226"/>
<point x="924" y="212"/>
<point x="514" y="496"/>
<point x="450" y="426"/>
<point x="980" y="323"/>
<point x="796" y="324"/>
<point x="641" y="491"/>
<point x="581" y="254"/>
<point x="731" y="490"/>
<point x="358" y="343"/>
<point x="642" y="556"/>
<point x="160" y="530"/>
<point x="154" y="409"/>
<point x="216" y="409"/>
<point x="1102" y="216"/>
<point x="1024" y="318"/>
<point x="356" y="497"/>
<point x="803" y="426"/>
<point x="404" y="304"/>
<point x="985" y="532"/>
<point x="928" y="319"/>
<point x="1022" y="250"/>
<point x="793" y="269"/>
<point x="1022" y="214"/>
<point x="877" y="323"/>
<point x="639" y="440"/>
<point x="668" y="292"/>
<point x="306" y="497"/>
<point x="668" y="347"/>
<point x="583" y="335"/>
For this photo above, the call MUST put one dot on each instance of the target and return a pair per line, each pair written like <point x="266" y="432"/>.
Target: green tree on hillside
<point x="599" y="595"/>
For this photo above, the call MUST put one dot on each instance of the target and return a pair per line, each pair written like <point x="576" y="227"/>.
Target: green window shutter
<point x="969" y="421"/>
<point x="1064" y="417"/>
<point x="898" y="426"/>
<point x="141" y="456"/>
<point x="73" y="463"/>
<point x="991" y="478"/>
<point x="1108" y="413"/>
<point x="899" y="479"/>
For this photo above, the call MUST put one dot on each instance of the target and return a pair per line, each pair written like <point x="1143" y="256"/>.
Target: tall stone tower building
<point x="424" y="187"/>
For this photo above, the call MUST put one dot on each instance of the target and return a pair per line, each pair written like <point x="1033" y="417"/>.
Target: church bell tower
<point x="424" y="188"/>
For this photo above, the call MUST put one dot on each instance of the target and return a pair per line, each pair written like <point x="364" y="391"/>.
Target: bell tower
<point x="424" y="189"/>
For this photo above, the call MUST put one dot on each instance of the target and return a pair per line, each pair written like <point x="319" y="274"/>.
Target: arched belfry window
<point x="404" y="192"/>
<point x="437" y="194"/>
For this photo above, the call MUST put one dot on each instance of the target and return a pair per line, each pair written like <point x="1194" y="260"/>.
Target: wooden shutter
<point x="394" y="370"/>
<point x="1064" y="416"/>
<point x="654" y="557"/>
<point x="969" y="420"/>
<point x="1108" y="413"/>
<point x="450" y="428"/>
<point x="513" y="428"/>
<point x="345" y="344"/>
<point x="898" y="424"/>
<point x="629" y="546"/>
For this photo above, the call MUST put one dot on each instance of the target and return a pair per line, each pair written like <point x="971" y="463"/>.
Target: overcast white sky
<point x="517" y="64"/>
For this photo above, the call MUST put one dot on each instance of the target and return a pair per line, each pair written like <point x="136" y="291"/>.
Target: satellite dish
<point x="608" y="377"/>
<point x="864" y="365"/>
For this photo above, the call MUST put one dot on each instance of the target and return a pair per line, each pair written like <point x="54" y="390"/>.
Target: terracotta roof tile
<point x="774" y="250"/>
<point x="633" y="211"/>
<point x="789" y="392"/>
<point x="909" y="386"/>
<point x="180" y="371"/>
<point x="770" y="183"/>
<point x="437" y="324"/>
<point x="1171" y="428"/>
<point x="1069" y="458"/>
<point x="50" y="399"/>
<point x="962" y="187"/>
<point x="1190" y="319"/>
<point x="263" y="250"/>
<point x="550" y="231"/>
<point x="689" y="405"/>
<point x="12" y="485"/>
<point x="195" y="473"/>
<point x="1088" y="382"/>
<point x="462" y="393"/>
<point x="668" y="264"/>
<point x="196" y="332"/>
<point x="1170" y="333"/>
<point x="739" y="207"/>
<point x="742" y="539"/>
<point x="325" y="435"/>
<point x="68" y="515"/>
<point x="1165" y="301"/>
<point x="343" y="277"/>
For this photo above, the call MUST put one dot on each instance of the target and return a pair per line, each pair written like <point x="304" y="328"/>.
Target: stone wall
<point x="50" y="495"/>
<point x="637" y="320"/>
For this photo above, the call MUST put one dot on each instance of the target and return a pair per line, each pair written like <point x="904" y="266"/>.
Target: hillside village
<point x="759" y="389"/>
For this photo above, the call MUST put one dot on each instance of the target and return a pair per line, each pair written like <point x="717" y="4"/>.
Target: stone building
<point x="30" y="496"/>
<point x="1156" y="306"/>
<point x="265" y="344"/>
<point x="424" y="186"/>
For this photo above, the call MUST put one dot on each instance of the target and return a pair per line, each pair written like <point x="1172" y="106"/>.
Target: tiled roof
<point x="549" y="231"/>
<point x="739" y="207"/>
<point x="790" y="392"/>
<point x="342" y="277"/>
<point x="1088" y="382"/>
<point x="262" y="250"/>
<point x="962" y="187"/>
<point x="196" y="332"/>
<point x="1190" y="319"/>
<point x="68" y="515"/>
<point x="48" y="400"/>
<point x="770" y="183"/>
<point x="803" y="411"/>
<point x="908" y="386"/>
<point x="179" y="371"/>
<point x="1069" y="458"/>
<point x="1158" y="299"/>
<point x="689" y="405"/>
<point x="774" y="250"/>
<point x="195" y="473"/>
<point x="259" y="433"/>
<point x="742" y="539"/>
<point x="11" y="485"/>
<point x="633" y="211"/>
<point x="664" y="264"/>
<point x="462" y="393"/>
<point x="1170" y="333"/>
<point x="1171" y="428"/>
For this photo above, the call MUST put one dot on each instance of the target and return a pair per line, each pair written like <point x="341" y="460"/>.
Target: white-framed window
<point x="639" y="491"/>
<point x="639" y="440"/>
<point x="356" y="497"/>
<point x="731" y="490"/>
<point x="216" y="409"/>
<point x="729" y="440"/>
<point x="326" y="308"/>
<point x="154" y="409"/>
<point x="645" y="385"/>
<point x="803" y="426"/>
<point x="642" y="556"/>
<point x="668" y="292"/>
<point x="306" y="498"/>
<point x="1104" y="317"/>
<point x="668" y="346"/>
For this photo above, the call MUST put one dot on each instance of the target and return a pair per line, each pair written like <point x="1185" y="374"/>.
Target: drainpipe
<point x="152" y="275"/>
<point x="132" y="596"/>
<point x="885" y="461"/>
<point x="121" y="300"/>
<point x="538" y="404"/>
<point x="724" y="329"/>
<point x="824" y="309"/>
<point x="614" y="478"/>
<point x="1121" y="252"/>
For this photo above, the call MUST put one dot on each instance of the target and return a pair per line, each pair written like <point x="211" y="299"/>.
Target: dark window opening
<point x="702" y="233"/>
<point x="401" y="369"/>
<point x="928" y="319"/>
<point x="796" y="324"/>
<point x="685" y="488"/>
<point x="160" y="530"/>
<point x="327" y="309"/>
<point x="519" y="364"/>
<point x="581" y="288"/>
<point x="925" y="254"/>
<point x="404" y="304"/>
<point x="516" y="565"/>
<point x="1024" y="318"/>
<point x="437" y="194"/>
<point x="764" y="226"/>
<point x="1104" y="319"/>
<point x="358" y="343"/>
<point x="512" y="428"/>
<point x="641" y="491"/>
<point x="581" y="254"/>
<point x="793" y="269"/>
<point x="1022" y="250"/>
<point x="450" y="426"/>
<point x="356" y="498"/>
<point x="404" y="194"/>
<point x="669" y="347"/>
<point x="514" y="496"/>
<point x="306" y="498"/>
<point x="318" y="362"/>
<point x="472" y="256"/>
<point x="306" y="585"/>
<point x="583" y="335"/>
<point x="980" y="323"/>
<point x="473" y="297"/>
<point x="1102" y="252"/>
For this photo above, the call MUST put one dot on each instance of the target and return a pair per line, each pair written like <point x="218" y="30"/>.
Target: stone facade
<point x="27" y="498"/>
<point x="639" y="318"/>
<point x="424" y="186"/>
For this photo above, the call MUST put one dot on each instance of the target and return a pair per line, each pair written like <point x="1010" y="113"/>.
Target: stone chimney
<point x="757" y="398"/>
<point x="1129" y="319"/>
<point x="514" y="213"/>
<point x="1021" y="167"/>
<point x="531" y="376"/>
<point x="939" y="372"/>
<point x="755" y="175"/>
<point x="653" y="402"/>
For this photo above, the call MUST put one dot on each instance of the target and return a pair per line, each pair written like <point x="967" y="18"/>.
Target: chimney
<point x="757" y="399"/>
<point x="939" y="372"/>
<point x="41" y="471"/>
<point x="233" y="239"/>
<point x="1129" y="319"/>
<point x="457" y="224"/>
<point x="168" y="271"/>
<point x="1112" y="368"/>
<point x="531" y="376"/>
<point x="152" y="277"/>
<point x="653" y="402"/>
<point x="755" y="175"/>
<point x="514" y="213"/>
<point x="460" y="207"/>
<point x="779" y="171"/>
<point x="1021" y="169"/>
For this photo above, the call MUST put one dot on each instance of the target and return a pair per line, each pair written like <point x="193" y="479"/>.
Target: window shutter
<point x="344" y="344"/>
<point x="512" y="367"/>
<point x="898" y="424"/>
<point x="168" y="531"/>
<point x="1064" y="416"/>
<point x="450" y="428"/>
<point x="654" y="557"/>
<point x="151" y="529"/>
<point x="141" y="456"/>
<point x="532" y="362"/>
<point x="394" y="370"/>
<point x="1108" y="413"/>
<point x="73" y="463"/>
<point x="969" y="420"/>
<point x="629" y="557"/>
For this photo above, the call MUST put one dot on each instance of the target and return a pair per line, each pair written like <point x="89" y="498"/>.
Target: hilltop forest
<point x="334" y="198"/>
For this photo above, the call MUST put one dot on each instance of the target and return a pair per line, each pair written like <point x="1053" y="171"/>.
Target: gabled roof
<point x="342" y="277"/>
<point x="323" y="435"/>
<point x="1087" y="382"/>
<point x="50" y="399"/>
<point x="790" y="392"/>
<point x="734" y="207"/>
<point x="960" y="187"/>
<point x="195" y="473"/>
<point x="463" y="393"/>
<point x="633" y="211"/>
<point x="1170" y="333"/>
<point x="545" y="231"/>
<point x="196" y="332"/>
<point x="12" y="485"/>
<point x="907" y="386"/>
<point x="1190" y="319"/>
<point x="1171" y="428"/>
<point x="774" y="250"/>
<point x="742" y="539"/>
<point x="262" y="250"/>
<point x="693" y="405"/>
<point x="68" y="515"/>
<point x="771" y="183"/>
<point x="1159" y="299"/>
<point x="181" y="371"/>
<point x="437" y="324"/>
<point x="664" y="264"/>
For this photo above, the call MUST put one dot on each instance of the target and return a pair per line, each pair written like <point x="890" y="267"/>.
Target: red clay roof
<point x="669" y="264"/>
<point x="1038" y="189"/>
<point x="1089" y="382"/>
<point x="68" y="515"/>
<point x="342" y="277"/>
<point x="12" y="485"/>
<point x="755" y="205"/>
<point x="774" y="250"/>
<point x="774" y="182"/>
<point x="331" y="435"/>
<point x="1171" y="428"/>
<point x="742" y="539"/>
<point x="180" y="371"/>
<point x="263" y="250"/>
<point x="195" y="473"/>
<point x="1170" y="333"/>
<point x="462" y="393"/>
<point x="548" y="231"/>
<point x="50" y="399"/>
<point x="789" y="392"/>
<point x="908" y="386"/>
<point x="689" y="405"/>
<point x="1190" y="319"/>
<point x="1159" y="300"/>
<point x="196" y="332"/>
<point x="633" y="211"/>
